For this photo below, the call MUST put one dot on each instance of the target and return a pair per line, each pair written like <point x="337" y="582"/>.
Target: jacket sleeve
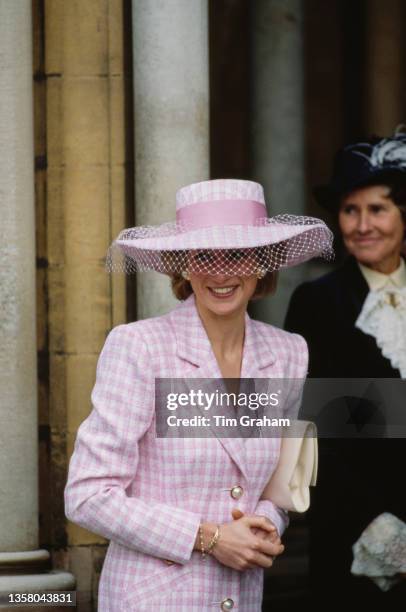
<point x="279" y="517"/>
<point x="106" y="455"/>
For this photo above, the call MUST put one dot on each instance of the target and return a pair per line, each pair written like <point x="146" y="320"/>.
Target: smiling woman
<point x="167" y="504"/>
<point x="354" y="320"/>
<point x="372" y="224"/>
<point x="368" y="193"/>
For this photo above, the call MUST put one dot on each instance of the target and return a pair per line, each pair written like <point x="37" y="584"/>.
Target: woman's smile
<point x="223" y="293"/>
<point x="366" y="241"/>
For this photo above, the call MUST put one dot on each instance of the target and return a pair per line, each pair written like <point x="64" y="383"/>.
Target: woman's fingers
<point x="237" y="514"/>
<point x="262" y="560"/>
<point x="260" y="533"/>
<point x="272" y="537"/>
<point x="273" y="549"/>
<point x="261" y="522"/>
<point x="240" y="546"/>
<point x="258" y="559"/>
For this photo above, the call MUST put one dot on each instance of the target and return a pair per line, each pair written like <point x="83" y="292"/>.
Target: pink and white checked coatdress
<point x="147" y="495"/>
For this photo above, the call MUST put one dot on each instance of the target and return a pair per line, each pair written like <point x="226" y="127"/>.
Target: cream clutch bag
<point x="296" y="471"/>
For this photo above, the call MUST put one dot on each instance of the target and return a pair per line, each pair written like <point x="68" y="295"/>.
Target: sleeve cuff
<point x="278" y="516"/>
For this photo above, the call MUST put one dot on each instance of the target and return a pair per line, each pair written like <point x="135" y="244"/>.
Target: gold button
<point x="236" y="492"/>
<point x="227" y="604"/>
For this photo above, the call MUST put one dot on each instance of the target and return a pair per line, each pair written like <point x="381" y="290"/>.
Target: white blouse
<point x="383" y="313"/>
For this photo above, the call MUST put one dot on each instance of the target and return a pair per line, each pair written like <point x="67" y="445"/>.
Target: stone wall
<point x="83" y="162"/>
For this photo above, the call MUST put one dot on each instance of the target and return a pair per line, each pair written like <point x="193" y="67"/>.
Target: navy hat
<point x="358" y="165"/>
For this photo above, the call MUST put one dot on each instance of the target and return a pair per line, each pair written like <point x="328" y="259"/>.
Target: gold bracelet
<point x="214" y="540"/>
<point x="202" y="550"/>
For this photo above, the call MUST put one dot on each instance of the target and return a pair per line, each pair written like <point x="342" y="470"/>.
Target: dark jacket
<point x="358" y="479"/>
<point x="324" y="311"/>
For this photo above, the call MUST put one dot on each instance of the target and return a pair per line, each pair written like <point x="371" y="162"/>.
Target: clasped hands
<point x="245" y="542"/>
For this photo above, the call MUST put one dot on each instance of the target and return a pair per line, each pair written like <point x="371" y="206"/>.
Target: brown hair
<point x="182" y="288"/>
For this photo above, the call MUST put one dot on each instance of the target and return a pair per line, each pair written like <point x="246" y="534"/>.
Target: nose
<point x="364" y="222"/>
<point x="219" y="267"/>
<point x="220" y="278"/>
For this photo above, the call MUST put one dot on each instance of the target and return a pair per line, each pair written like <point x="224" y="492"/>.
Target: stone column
<point x="18" y="371"/>
<point x="171" y="110"/>
<point x="385" y="66"/>
<point x="278" y="124"/>
<point x="86" y="193"/>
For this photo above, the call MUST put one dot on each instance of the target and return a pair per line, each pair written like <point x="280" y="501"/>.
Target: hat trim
<point x="265" y="230"/>
<point x="222" y="212"/>
<point x="274" y="242"/>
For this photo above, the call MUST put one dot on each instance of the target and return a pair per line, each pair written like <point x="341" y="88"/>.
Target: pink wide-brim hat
<point x="222" y="215"/>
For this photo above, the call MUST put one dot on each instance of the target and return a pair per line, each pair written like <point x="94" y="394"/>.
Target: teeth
<point x="222" y="289"/>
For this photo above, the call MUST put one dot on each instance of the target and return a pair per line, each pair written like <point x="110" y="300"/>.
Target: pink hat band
<point x="222" y="212"/>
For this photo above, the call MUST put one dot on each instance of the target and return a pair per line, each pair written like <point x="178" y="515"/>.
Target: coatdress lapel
<point x="194" y="348"/>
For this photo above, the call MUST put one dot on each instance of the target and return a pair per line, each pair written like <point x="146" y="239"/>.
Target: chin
<point x="225" y="308"/>
<point x="366" y="257"/>
<point x="368" y="261"/>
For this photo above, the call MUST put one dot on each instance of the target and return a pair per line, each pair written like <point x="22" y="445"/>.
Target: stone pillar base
<point x="28" y="572"/>
<point x="27" y="561"/>
<point x="54" y="580"/>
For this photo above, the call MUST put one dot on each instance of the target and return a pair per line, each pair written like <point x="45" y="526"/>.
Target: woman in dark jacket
<point x="354" y="321"/>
